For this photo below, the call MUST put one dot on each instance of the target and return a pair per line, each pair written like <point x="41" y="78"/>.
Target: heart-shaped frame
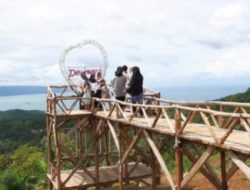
<point x="84" y="74"/>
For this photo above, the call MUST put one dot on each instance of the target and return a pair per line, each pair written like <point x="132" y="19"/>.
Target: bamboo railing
<point x="219" y="126"/>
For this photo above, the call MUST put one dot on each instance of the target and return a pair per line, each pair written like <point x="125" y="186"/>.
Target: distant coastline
<point x="22" y="90"/>
<point x="34" y="97"/>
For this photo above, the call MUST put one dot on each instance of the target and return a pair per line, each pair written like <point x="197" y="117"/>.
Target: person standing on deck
<point x="86" y="96"/>
<point x="135" y="86"/>
<point x="125" y="71"/>
<point x="119" y="84"/>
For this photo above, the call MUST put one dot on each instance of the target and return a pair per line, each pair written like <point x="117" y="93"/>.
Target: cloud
<point x="231" y="16"/>
<point x="232" y="62"/>
<point x="134" y="58"/>
<point x="172" y="41"/>
<point x="227" y="26"/>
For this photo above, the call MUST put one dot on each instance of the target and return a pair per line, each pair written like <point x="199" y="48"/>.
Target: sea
<point x="38" y="101"/>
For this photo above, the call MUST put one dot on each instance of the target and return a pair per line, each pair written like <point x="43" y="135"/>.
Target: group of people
<point x="94" y="88"/>
<point x="126" y="82"/>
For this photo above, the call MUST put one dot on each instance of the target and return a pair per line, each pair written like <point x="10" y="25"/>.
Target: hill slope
<point x="20" y="127"/>
<point x="239" y="97"/>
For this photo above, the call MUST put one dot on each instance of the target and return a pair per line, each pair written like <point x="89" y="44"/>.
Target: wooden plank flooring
<point x="238" y="140"/>
<point x="108" y="174"/>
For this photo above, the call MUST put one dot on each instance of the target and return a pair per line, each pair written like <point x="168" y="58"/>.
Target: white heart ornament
<point x="75" y="76"/>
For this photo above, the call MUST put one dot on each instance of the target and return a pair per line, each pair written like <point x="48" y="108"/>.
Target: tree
<point x="28" y="162"/>
<point x="10" y="181"/>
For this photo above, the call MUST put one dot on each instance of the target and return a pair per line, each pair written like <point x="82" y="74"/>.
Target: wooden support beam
<point x="136" y="148"/>
<point x="223" y="170"/>
<point x="210" y="128"/>
<point x="114" y="135"/>
<point x="220" y="118"/>
<point x="77" y="166"/>
<point x="111" y="110"/>
<point x="206" y="171"/>
<point x="197" y="166"/>
<point x="96" y="140"/>
<point x="121" y="112"/>
<point x="213" y="118"/>
<point x="146" y="117"/>
<point x="241" y="165"/>
<point x="159" y="112"/>
<point x="58" y="156"/>
<point x="189" y="118"/>
<point x="107" y="149"/>
<point x="245" y="123"/>
<point x="178" y="153"/>
<point x="229" y="130"/>
<point x="179" y="165"/>
<point x="160" y="159"/>
<point x="183" y="117"/>
<point x="234" y="168"/>
<point x="131" y="146"/>
<point x="121" y="165"/>
<point x="168" y="120"/>
<point x="154" y="174"/>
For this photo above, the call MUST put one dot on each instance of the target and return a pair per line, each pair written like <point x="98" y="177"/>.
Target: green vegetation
<point x="22" y="152"/>
<point x="20" y="127"/>
<point x="239" y="97"/>
<point x="22" y="155"/>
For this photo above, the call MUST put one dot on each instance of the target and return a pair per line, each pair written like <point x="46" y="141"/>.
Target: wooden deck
<point x="107" y="175"/>
<point x="199" y="129"/>
<point x="238" y="140"/>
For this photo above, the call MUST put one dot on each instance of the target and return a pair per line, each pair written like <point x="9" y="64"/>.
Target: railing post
<point x="121" y="165"/>
<point x="96" y="140"/>
<point x="220" y="119"/>
<point x="178" y="146"/>
<point x="223" y="170"/>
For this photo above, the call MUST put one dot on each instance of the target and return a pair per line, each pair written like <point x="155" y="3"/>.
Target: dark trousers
<point x="121" y="98"/>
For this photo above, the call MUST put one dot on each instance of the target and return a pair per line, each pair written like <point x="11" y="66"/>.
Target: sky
<point x="175" y="43"/>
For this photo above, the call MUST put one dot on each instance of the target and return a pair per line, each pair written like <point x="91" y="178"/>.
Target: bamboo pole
<point x="160" y="159"/>
<point x="223" y="170"/>
<point x="197" y="166"/>
<point x="96" y="140"/>
<point x="121" y="168"/>
<point x="178" y="153"/>
<point x="242" y="166"/>
<point x="205" y="171"/>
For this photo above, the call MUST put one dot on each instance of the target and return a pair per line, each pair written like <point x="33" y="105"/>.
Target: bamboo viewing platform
<point x="111" y="144"/>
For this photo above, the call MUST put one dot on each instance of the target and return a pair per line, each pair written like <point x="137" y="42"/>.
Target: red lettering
<point x="72" y="73"/>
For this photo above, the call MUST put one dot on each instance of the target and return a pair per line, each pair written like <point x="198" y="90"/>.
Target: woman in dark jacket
<point x="135" y="86"/>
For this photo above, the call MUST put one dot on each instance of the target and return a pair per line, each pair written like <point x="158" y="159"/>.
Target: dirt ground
<point x="238" y="182"/>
